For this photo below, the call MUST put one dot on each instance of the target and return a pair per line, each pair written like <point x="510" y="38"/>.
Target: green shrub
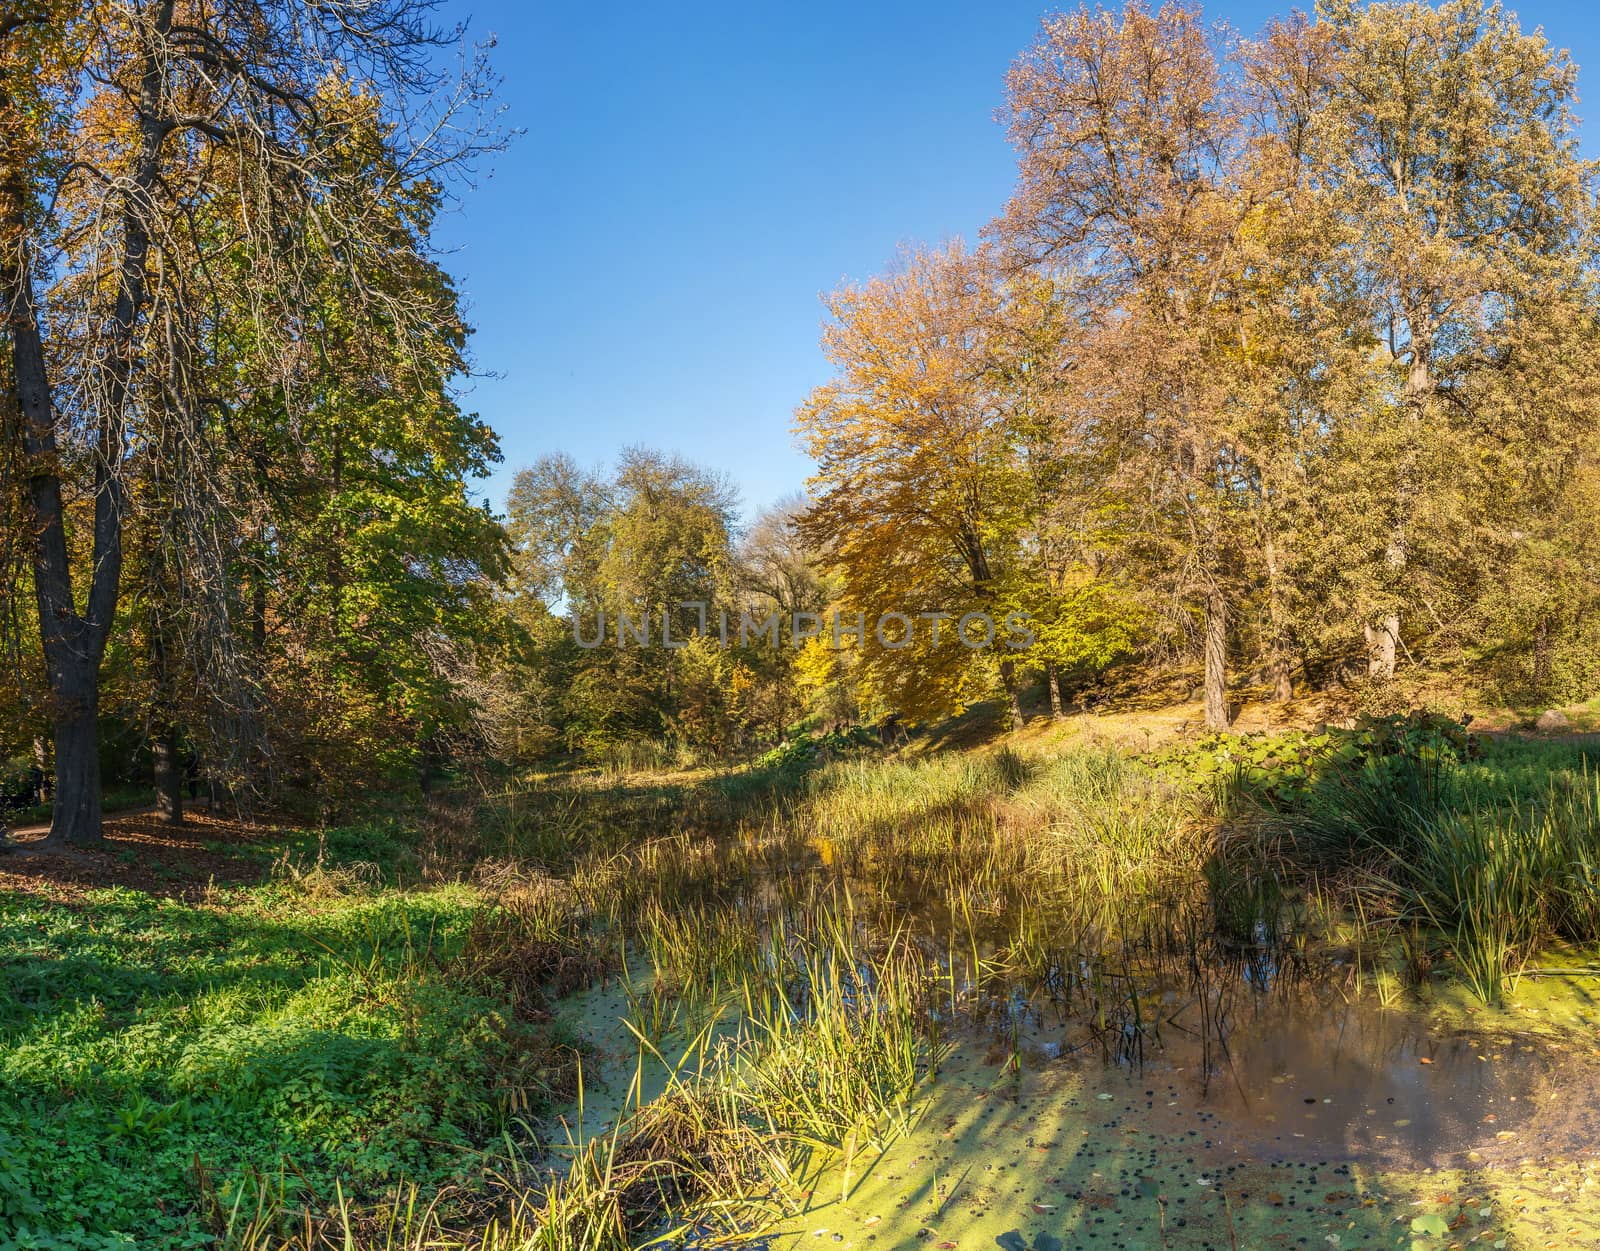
<point x="808" y="749"/>
<point x="1280" y="771"/>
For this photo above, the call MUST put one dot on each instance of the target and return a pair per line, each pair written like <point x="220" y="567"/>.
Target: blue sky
<point x="643" y="265"/>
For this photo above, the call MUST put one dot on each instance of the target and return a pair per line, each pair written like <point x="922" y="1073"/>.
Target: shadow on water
<point x="1189" y="1062"/>
<point x="1312" y="1075"/>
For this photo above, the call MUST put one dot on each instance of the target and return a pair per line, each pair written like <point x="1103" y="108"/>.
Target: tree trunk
<point x="169" y="776"/>
<point x="258" y="616"/>
<point x="168" y="766"/>
<point x="1383" y="636"/>
<point x="1053" y="682"/>
<point x="1382" y="640"/>
<point x="1008" y="676"/>
<point x="1282" y="679"/>
<point x="428" y="760"/>
<point x="1541" y="654"/>
<point x="1279" y="661"/>
<point x="1216" y="647"/>
<point x="73" y="643"/>
<point x="76" y="816"/>
<point x="41" y="770"/>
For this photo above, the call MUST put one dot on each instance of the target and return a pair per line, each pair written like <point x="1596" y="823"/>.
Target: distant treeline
<point x="1279" y="363"/>
<point x="1276" y="370"/>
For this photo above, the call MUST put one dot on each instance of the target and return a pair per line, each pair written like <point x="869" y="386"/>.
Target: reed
<point x="1473" y="850"/>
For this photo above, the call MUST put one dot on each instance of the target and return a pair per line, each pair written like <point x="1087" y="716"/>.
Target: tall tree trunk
<point x="1216" y="649"/>
<point x="1052" y="680"/>
<point x="1382" y="643"/>
<point x="159" y="600"/>
<point x="1282" y="678"/>
<point x="76" y="815"/>
<point x="1383" y="635"/>
<point x="164" y="740"/>
<point x="1008" y="677"/>
<point x="1541" y="654"/>
<point x="73" y="643"/>
<point x="169" y="775"/>
<point x="41" y="770"/>
<point x="258" y="617"/>
<point x="253" y="759"/>
<point x="1280" y="661"/>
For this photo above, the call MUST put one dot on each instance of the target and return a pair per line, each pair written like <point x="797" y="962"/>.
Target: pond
<point x="954" y="1026"/>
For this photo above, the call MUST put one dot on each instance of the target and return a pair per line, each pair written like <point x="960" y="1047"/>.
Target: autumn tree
<point x="1130" y="138"/>
<point x="1070" y="576"/>
<point x="149" y="147"/>
<point x="1443" y="138"/>
<point x="919" y="492"/>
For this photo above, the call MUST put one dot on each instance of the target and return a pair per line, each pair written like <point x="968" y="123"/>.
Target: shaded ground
<point x="143" y="853"/>
<point x="314" y="1035"/>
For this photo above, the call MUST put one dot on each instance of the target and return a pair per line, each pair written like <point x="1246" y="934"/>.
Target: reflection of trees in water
<point x="1366" y="1080"/>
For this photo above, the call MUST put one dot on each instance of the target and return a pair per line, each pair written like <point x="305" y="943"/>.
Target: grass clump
<point x="1494" y="845"/>
<point x="1014" y="829"/>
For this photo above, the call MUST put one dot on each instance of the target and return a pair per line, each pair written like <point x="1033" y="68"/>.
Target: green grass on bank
<point x="1490" y="845"/>
<point x="165" y="1062"/>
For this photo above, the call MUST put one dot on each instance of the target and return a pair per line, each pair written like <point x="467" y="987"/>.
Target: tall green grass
<point x="1499" y="855"/>
<point x="1088" y="824"/>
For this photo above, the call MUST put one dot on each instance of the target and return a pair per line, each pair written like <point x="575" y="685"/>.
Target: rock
<point x="1552" y="722"/>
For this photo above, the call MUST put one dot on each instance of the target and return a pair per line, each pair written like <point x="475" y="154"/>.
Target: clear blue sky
<point x="643" y="265"/>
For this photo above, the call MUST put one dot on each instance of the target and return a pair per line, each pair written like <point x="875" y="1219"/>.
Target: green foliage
<point x="159" y="1056"/>
<point x="1282" y="770"/>
<point x="648" y="551"/>
<point x="807" y="749"/>
<point x="1494" y="845"/>
<point x="1500" y="875"/>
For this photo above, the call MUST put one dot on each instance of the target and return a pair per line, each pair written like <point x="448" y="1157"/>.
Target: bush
<point x="811" y="749"/>
<point x="1283" y="771"/>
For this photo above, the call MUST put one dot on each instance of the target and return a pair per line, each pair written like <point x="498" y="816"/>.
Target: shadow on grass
<point x="150" y="1051"/>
